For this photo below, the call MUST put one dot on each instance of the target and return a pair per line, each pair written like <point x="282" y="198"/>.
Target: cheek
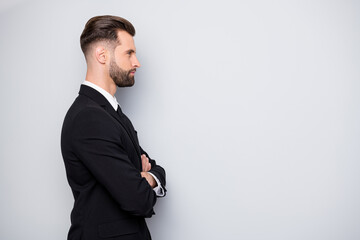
<point x="123" y="62"/>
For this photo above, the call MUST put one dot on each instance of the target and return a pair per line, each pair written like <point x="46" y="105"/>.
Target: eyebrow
<point x="131" y="51"/>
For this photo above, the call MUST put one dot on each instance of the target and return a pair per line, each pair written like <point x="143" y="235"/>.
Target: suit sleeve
<point x="99" y="147"/>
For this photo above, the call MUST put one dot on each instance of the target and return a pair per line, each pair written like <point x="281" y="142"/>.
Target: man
<point x="114" y="182"/>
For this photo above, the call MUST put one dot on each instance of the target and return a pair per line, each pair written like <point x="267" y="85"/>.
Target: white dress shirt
<point x="114" y="103"/>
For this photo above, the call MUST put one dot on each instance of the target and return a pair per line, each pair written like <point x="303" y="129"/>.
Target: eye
<point x="130" y="53"/>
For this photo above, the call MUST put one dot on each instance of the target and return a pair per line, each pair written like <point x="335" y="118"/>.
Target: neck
<point x="101" y="80"/>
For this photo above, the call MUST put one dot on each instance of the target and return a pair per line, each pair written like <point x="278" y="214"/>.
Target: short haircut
<point x="105" y="27"/>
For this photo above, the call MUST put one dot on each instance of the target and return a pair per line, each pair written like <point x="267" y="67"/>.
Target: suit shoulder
<point x="81" y="103"/>
<point x="85" y="113"/>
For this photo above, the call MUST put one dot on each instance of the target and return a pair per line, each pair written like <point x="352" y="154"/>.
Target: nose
<point x="136" y="63"/>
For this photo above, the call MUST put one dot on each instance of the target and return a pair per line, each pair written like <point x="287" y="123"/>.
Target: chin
<point x="130" y="84"/>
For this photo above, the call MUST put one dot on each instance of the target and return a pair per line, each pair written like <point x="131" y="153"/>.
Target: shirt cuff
<point x="159" y="190"/>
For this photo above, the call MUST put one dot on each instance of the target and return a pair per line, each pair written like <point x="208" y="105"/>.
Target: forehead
<point x="125" y="39"/>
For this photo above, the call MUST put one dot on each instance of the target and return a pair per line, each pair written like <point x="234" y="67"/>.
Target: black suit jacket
<point x="103" y="163"/>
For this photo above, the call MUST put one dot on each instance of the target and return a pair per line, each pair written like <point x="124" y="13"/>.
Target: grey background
<point x="252" y="107"/>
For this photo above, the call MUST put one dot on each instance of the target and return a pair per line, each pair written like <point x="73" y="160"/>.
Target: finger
<point x="147" y="166"/>
<point x="144" y="163"/>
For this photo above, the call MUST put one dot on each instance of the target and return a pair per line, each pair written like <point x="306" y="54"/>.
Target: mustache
<point x="132" y="70"/>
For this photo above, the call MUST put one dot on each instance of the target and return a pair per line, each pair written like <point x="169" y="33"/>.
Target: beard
<point x="121" y="78"/>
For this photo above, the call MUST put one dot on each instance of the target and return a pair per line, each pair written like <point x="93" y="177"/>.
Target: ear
<point x="101" y="54"/>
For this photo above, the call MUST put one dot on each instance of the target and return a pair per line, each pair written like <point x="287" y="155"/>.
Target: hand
<point x="149" y="178"/>
<point x="146" y="166"/>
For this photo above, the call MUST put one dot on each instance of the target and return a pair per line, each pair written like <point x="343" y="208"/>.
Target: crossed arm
<point x="154" y="174"/>
<point x="95" y="142"/>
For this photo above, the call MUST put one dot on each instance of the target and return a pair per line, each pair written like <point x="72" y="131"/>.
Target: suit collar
<point x="95" y="96"/>
<point x="99" y="99"/>
<point x="110" y="98"/>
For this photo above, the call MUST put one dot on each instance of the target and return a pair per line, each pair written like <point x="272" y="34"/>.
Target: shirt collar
<point x="111" y="99"/>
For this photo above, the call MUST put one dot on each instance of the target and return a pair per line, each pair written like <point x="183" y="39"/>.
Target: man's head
<point x="107" y="43"/>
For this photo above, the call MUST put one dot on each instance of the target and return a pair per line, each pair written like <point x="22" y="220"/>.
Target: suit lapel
<point x="124" y="125"/>
<point x="101" y="100"/>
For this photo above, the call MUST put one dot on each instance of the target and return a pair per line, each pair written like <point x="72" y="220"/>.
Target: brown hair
<point x="104" y="28"/>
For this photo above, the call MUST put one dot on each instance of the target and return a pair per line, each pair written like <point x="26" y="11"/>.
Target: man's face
<point x="123" y="63"/>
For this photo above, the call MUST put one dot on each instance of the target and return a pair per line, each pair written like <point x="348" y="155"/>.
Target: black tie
<point x="119" y="111"/>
